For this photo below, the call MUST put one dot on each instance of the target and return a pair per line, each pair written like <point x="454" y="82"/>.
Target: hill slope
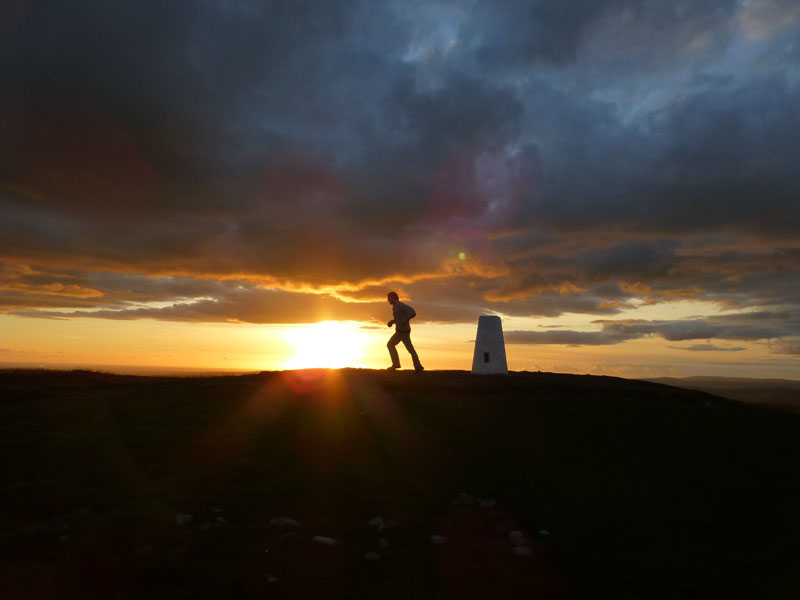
<point x="120" y="486"/>
<point x="781" y="394"/>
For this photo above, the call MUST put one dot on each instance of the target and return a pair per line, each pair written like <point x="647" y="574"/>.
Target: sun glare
<point x="329" y="344"/>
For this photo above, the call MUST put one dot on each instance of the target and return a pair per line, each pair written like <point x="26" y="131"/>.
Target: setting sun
<point x="329" y="344"/>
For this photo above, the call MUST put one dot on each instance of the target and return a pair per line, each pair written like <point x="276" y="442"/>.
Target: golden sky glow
<point x="229" y="188"/>
<point x="158" y="346"/>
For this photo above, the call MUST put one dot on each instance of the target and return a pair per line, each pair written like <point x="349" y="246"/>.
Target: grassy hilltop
<point x="533" y="485"/>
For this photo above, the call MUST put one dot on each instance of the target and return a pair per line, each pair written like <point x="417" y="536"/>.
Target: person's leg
<point x="393" y="341"/>
<point x="410" y="347"/>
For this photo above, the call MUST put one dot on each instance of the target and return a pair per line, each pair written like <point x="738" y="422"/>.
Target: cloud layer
<point x="283" y="161"/>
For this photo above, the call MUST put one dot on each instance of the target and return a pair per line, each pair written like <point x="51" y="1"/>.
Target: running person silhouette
<point x="402" y="314"/>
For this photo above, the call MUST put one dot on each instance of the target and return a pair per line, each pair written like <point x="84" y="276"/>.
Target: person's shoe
<point x="419" y="369"/>
<point x="393" y="368"/>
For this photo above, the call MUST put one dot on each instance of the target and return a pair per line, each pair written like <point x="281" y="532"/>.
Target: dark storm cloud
<point x="738" y="326"/>
<point x="236" y="305"/>
<point x="786" y="347"/>
<point x="189" y="160"/>
<point x="520" y="33"/>
<point x="571" y="338"/>
<point x="717" y="158"/>
<point x="708" y="348"/>
<point x="675" y="331"/>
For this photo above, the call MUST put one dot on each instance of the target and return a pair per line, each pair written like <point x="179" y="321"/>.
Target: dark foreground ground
<point x="137" y="487"/>
<point x="779" y="394"/>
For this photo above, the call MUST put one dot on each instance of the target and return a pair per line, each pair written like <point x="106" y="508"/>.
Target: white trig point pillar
<point x="490" y="349"/>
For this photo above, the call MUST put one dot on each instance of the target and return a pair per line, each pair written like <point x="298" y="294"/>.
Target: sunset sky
<point x="220" y="184"/>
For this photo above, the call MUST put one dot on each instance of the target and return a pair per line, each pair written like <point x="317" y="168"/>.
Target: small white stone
<point x="325" y="541"/>
<point x="372" y="557"/>
<point x="516" y="538"/>
<point x="439" y="539"/>
<point x="284" y="522"/>
<point x="383" y="544"/>
<point x="183" y="519"/>
<point x="522" y="550"/>
<point x="466" y="499"/>
<point x="378" y="523"/>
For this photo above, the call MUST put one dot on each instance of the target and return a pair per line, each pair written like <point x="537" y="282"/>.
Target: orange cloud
<point x="616" y="304"/>
<point x="637" y="288"/>
<point x="54" y="289"/>
<point x="640" y="289"/>
<point x="568" y="288"/>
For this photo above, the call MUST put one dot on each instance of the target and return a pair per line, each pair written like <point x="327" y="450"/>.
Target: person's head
<point x="392" y="297"/>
